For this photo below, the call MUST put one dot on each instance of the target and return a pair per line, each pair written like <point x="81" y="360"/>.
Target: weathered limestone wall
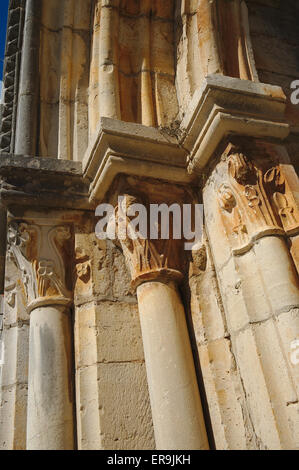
<point x="113" y="410"/>
<point x="14" y="384"/>
<point x="142" y="62"/>
<point x="274" y="35"/>
<point x="226" y="398"/>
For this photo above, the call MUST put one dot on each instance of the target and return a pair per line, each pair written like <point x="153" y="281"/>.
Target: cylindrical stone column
<point x="156" y="269"/>
<point x="50" y="422"/>
<point x="247" y="228"/>
<point x="26" y="128"/>
<point x="41" y="249"/>
<point x="278" y="272"/>
<point x="174" y="394"/>
<point x="108" y="68"/>
<point x="3" y="229"/>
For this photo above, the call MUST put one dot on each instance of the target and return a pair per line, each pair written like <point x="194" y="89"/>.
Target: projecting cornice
<point x="117" y="148"/>
<point x="42" y="182"/>
<point x="230" y="106"/>
<point x="133" y="149"/>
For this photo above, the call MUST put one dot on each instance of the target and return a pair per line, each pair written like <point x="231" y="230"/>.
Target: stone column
<point x="249" y="225"/>
<point x="175" y="401"/>
<point x="26" y="127"/>
<point x="3" y="220"/>
<point x="108" y="68"/>
<point x="41" y="251"/>
<point x="174" y="393"/>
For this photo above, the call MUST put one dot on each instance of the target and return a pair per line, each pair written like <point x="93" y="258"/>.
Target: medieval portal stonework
<point x="139" y="343"/>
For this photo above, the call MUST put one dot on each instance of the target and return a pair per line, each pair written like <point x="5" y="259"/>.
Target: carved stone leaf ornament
<point x="38" y="252"/>
<point x="147" y="259"/>
<point x="255" y="201"/>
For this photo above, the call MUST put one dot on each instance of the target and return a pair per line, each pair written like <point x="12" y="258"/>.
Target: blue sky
<point x="3" y="20"/>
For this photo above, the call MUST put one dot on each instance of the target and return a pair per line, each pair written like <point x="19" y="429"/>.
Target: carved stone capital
<point x="147" y="257"/>
<point x="42" y="254"/>
<point x="255" y="200"/>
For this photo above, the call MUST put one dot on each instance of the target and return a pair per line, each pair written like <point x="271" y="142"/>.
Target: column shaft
<point x="108" y="72"/>
<point x="50" y="424"/>
<point x="175" y="400"/>
<point x="3" y="229"/>
<point x="29" y="82"/>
